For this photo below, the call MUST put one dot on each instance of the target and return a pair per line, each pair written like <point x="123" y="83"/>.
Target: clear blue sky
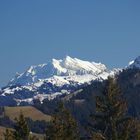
<point x="34" y="31"/>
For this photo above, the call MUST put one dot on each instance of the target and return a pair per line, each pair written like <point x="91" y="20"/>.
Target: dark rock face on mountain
<point x="129" y="81"/>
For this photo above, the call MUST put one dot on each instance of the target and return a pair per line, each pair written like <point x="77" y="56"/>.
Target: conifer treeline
<point x="63" y="126"/>
<point x="21" y="130"/>
<point x="109" y="122"/>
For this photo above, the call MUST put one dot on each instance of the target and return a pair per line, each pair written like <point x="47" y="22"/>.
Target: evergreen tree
<point x="110" y="119"/>
<point x="21" y="129"/>
<point x="63" y="126"/>
<point x="8" y="135"/>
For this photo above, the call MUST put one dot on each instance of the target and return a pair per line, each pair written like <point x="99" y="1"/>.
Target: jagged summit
<point x="64" y="67"/>
<point x="135" y="63"/>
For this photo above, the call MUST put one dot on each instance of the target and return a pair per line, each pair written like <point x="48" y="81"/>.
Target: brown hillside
<point x="28" y="111"/>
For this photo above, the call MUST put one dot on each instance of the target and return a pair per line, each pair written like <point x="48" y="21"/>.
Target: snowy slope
<point x="135" y="63"/>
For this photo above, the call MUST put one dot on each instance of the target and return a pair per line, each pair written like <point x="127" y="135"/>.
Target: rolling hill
<point x="28" y="112"/>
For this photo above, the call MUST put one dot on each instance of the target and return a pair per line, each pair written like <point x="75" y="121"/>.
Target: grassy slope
<point x="28" y="111"/>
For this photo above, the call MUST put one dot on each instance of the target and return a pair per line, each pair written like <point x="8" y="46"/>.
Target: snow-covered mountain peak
<point x="68" y="58"/>
<point x="135" y="63"/>
<point x="57" y="77"/>
<point x="82" y="67"/>
<point x="64" y="67"/>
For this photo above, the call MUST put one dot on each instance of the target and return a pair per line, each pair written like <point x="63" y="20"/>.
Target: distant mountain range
<point x="56" y="78"/>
